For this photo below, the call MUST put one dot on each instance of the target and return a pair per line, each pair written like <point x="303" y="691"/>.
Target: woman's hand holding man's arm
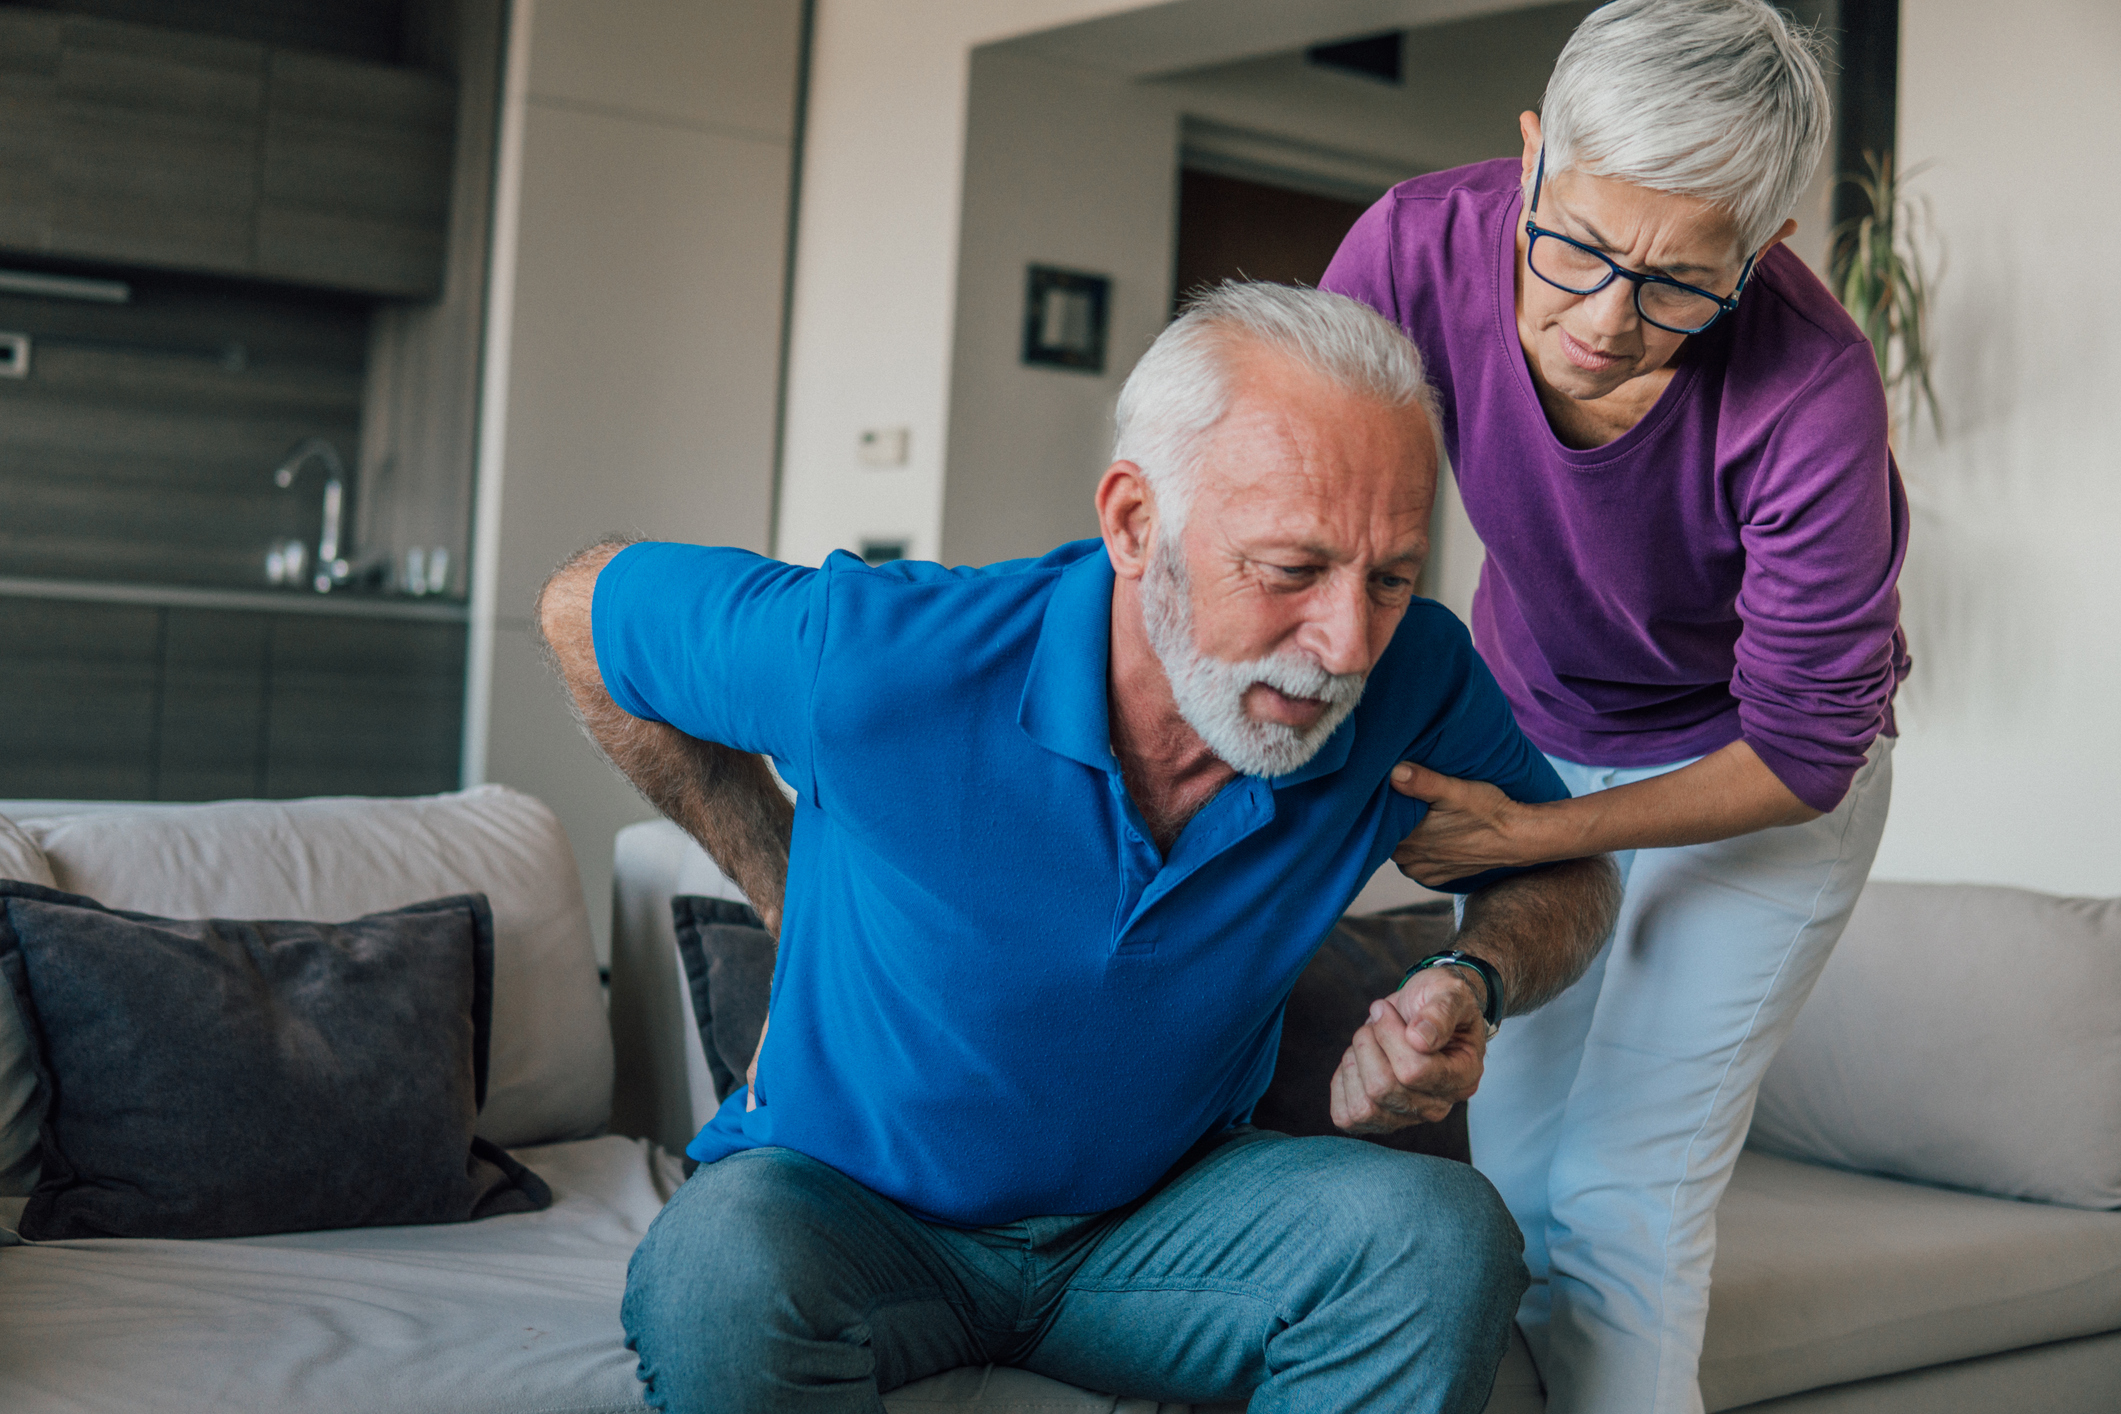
<point x="1471" y="826"/>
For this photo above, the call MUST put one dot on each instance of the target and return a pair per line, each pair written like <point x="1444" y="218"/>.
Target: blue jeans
<point x="1325" y="1274"/>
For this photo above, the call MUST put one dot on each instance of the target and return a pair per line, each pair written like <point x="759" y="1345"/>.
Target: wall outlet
<point x="14" y="355"/>
<point x="885" y="446"/>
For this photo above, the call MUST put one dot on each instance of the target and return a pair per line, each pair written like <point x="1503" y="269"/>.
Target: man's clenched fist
<point x="1420" y="1053"/>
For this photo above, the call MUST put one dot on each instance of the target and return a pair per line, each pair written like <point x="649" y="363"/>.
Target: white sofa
<point x="1834" y="1290"/>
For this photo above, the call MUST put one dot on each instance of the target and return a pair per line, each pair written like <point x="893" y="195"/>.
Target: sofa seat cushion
<point x="516" y="1313"/>
<point x="1824" y="1276"/>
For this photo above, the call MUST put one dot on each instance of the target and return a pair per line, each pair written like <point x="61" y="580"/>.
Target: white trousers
<point x="1611" y="1117"/>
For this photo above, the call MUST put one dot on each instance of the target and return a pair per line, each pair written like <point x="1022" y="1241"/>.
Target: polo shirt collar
<point x="1065" y="707"/>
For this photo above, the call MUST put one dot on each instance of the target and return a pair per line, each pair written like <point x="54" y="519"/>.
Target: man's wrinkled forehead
<point x="1317" y="451"/>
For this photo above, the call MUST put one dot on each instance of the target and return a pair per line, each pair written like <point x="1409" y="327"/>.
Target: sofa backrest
<point x="20" y="858"/>
<point x="1964" y="1035"/>
<point x="549" y="1066"/>
<point x="664" y="1091"/>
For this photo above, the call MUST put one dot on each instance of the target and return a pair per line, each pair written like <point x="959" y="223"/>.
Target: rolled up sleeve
<point x="1824" y="524"/>
<point x="721" y="644"/>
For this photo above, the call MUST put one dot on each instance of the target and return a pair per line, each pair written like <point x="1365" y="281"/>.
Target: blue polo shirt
<point x="994" y="997"/>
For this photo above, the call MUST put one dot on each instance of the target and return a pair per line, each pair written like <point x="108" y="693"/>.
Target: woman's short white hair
<point x="1181" y="388"/>
<point x="1717" y="99"/>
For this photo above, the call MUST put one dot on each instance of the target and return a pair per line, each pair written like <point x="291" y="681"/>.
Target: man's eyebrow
<point x="1318" y="551"/>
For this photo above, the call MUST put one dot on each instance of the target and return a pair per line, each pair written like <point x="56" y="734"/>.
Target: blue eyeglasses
<point x="1579" y="269"/>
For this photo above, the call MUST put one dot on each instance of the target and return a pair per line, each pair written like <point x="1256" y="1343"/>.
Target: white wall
<point x="877" y="259"/>
<point x="639" y="256"/>
<point x="2009" y="764"/>
<point x="1077" y="167"/>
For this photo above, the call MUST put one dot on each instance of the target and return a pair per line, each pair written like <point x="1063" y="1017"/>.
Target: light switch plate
<point x="885" y="446"/>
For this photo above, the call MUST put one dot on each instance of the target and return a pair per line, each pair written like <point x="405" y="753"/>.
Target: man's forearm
<point x="726" y="799"/>
<point x="1542" y="928"/>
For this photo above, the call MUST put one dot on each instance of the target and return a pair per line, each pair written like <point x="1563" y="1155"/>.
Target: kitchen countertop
<point x="347" y="604"/>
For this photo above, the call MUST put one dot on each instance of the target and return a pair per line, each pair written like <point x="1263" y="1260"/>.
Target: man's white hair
<point x="1717" y="99"/>
<point x="1181" y="388"/>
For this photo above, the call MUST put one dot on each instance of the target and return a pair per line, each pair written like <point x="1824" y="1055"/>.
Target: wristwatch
<point x="1485" y="970"/>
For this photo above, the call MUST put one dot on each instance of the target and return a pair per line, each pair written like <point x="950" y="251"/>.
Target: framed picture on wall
<point x="1065" y="317"/>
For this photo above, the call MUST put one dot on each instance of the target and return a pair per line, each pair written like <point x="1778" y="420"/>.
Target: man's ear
<point x="1126" y="517"/>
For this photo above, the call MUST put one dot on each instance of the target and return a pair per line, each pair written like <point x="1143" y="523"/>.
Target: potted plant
<point x="1880" y="278"/>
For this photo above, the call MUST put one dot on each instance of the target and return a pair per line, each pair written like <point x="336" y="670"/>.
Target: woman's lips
<point x="1584" y="356"/>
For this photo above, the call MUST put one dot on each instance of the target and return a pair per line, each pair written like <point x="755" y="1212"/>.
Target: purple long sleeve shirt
<point x="1724" y="570"/>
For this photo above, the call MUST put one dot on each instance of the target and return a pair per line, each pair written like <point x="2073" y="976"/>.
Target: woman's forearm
<point x="1728" y="792"/>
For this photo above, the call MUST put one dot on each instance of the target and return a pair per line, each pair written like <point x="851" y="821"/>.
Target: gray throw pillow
<point x="212" y="1078"/>
<point x="728" y="959"/>
<point x="728" y="956"/>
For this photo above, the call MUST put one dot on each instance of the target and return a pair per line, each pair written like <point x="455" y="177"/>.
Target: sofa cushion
<point x="728" y="961"/>
<point x="19" y="859"/>
<point x="220" y="1079"/>
<point x="1962" y="1035"/>
<point x="516" y="1313"/>
<point x="1824" y="1276"/>
<point x="728" y="957"/>
<point x="550" y="1068"/>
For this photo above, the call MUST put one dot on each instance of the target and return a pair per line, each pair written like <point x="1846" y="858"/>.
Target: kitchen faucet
<point x="332" y="568"/>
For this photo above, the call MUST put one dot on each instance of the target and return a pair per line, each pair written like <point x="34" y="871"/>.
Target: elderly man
<point x="1066" y="831"/>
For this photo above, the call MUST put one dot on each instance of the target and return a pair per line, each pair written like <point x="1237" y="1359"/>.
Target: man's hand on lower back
<point x="1420" y="1053"/>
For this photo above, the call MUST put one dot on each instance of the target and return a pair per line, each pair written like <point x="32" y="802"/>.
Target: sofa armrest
<point x="663" y="1090"/>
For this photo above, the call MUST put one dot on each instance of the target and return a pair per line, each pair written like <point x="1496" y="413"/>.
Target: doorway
<point x="1233" y="229"/>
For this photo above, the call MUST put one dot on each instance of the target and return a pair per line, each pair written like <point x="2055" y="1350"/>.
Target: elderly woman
<point x="1673" y="443"/>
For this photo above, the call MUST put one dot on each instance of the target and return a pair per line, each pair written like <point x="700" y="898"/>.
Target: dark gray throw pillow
<point x="728" y="957"/>
<point x="729" y="965"/>
<point x="212" y="1078"/>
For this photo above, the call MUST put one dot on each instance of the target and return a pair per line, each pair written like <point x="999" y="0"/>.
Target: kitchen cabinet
<point x="133" y="145"/>
<point x="137" y="701"/>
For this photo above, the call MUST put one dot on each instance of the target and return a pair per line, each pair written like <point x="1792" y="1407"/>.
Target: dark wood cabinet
<point x="354" y="190"/>
<point x="78" y="687"/>
<point x="151" y="702"/>
<point x="139" y="146"/>
<point x="210" y="739"/>
<point x="155" y="147"/>
<point x="362" y="706"/>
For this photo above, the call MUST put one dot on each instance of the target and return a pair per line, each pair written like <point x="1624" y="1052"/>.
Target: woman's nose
<point x="1612" y="309"/>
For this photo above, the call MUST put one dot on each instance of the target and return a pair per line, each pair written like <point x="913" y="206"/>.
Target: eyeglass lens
<point x="1581" y="271"/>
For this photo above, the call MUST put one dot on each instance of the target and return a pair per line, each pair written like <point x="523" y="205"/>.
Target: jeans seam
<point x="1250" y="1291"/>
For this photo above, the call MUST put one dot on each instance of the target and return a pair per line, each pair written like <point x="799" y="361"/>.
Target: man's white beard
<point x="1211" y="692"/>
